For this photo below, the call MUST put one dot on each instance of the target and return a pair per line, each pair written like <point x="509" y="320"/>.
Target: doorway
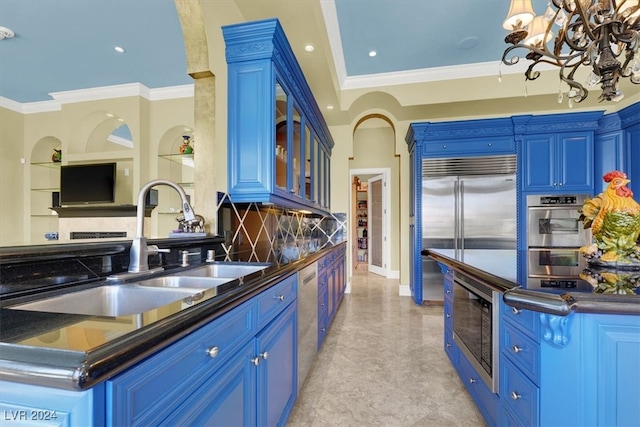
<point x="370" y="248"/>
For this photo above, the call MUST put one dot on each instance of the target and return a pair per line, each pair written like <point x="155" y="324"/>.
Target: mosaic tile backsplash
<point x="257" y="233"/>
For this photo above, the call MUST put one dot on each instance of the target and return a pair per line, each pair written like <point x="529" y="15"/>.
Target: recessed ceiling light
<point x="373" y="53"/>
<point x="6" y="33"/>
<point x="309" y="47"/>
<point x="109" y="115"/>
<point x="329" y="107"/>
<point x="119" y="49"/>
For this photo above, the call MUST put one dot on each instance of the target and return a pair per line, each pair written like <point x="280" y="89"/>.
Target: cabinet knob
<point x="516" y="349"/>
<point x="515" y="310"/>
<point x="490" y="144"/>
<point x="472" y="380"/>
<point x="324" y="329"/>
<point x="514" y="395"/>
<point x="279" y="297"/>
<point x="559" y="184"/>
<point x="448" y="291"/>
<point x="448" y="345"/>
<point x="264" y="355"/>
<point x="448" y="316"/>
<point x="255" y="361"/>
<point x="444" y="147"/>
<point x="213" y="351"/>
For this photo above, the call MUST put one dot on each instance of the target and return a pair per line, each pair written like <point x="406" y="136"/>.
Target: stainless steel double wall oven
<point x="555" y="235"/>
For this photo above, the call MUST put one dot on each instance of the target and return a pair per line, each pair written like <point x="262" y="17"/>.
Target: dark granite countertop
<point x="80" y="351"/>
<point x="498" y="268"/>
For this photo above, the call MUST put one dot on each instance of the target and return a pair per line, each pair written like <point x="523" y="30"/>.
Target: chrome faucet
<point x="139" y="255"/>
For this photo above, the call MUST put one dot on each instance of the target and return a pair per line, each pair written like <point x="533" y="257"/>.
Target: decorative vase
<point x="186" y="147"/>
<point x="56" y="157"/>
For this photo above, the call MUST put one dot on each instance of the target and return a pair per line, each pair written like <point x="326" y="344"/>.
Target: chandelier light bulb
<point x="594" y="34"/>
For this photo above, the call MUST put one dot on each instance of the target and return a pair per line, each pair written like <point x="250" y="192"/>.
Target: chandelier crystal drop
<point x="601" y="34"/>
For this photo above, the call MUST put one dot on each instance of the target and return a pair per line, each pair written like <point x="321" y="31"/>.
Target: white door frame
<point x="372" y="268"/>
<point x="386" y="212"/>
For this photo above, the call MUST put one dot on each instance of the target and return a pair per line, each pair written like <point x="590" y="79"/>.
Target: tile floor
<point x="383" y="364"/>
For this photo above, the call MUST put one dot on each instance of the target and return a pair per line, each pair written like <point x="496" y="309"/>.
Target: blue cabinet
<point x="558" y="163"/>
<point x="240" y="369"/>
<point x="31" y="405"/>
<point x="331" y="288"/>
<point x="584" y="362"/>
<point x="617" y="146"/>
<point x="556" y="152"/>
<point x="279" y="146"/>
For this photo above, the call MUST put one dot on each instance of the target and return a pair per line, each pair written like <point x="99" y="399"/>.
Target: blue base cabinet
<point x="25" y="405"/>
<point x="240" y="369"/>
<point x="331" y="286"/>
<point x="575" y="370"/>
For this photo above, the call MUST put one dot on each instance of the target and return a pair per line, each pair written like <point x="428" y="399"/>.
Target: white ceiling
<point x="427" y="52"/>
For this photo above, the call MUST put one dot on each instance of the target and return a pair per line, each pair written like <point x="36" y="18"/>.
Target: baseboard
<point x="394" y="274"/>
<point x="404" y="291"/>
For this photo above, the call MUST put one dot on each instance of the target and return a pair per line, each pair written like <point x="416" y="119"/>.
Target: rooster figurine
<point x="614" y="218"/>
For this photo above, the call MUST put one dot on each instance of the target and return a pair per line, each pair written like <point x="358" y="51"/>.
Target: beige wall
<point x="12" y="216"/>
<point x="80" y="129"/>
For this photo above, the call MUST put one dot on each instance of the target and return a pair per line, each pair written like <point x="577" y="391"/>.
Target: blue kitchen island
<point x="556" y="356"/>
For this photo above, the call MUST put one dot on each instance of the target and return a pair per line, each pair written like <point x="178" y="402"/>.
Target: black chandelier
<point x="602" y="34"/>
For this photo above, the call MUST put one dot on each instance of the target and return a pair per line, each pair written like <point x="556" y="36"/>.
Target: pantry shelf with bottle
<point x="361" y="223"/>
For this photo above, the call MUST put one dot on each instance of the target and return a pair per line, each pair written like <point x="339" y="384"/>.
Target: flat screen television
<point x="87" y="184"/>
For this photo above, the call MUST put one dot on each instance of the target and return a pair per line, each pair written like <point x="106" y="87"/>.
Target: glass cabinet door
<point x="321" y="179"/>
<point x="296" y="155"/>
<point x="281" y="137"/>
<point x="306" y="170"/>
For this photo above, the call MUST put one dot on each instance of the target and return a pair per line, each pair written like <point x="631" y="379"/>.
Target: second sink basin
<point x="226" y="269"/>
<point x="110" y="300"/>
<point x="194" y="282"/>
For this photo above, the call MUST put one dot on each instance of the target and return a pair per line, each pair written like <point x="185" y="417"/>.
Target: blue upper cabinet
<point x="617" y="146"/>
<point x="557" y="152"/>
<point x="279" y="147"/>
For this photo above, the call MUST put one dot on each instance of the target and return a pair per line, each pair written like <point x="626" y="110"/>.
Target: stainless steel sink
<point x="226" y="269"/>
<point x="110" y="300"/>
<point x="193" y="282"/>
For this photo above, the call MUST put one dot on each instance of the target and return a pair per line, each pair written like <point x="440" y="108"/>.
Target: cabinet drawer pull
<point x="264" y="355"/>
<point x="472" y="380"/>
<point x="255" y="361"/>
<point x="516" y="349"/>
<point x="514" y="395"/>
<point x="213" y="351"/>
<point x="279" y="297"/>
<point x="515" y="310"/>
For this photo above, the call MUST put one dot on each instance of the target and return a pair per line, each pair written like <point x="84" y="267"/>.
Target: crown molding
<point x="29" y="107"/>
<point x="98" y="94"/>
<point x="423" y="75"/>
<point x="335" y="42"/>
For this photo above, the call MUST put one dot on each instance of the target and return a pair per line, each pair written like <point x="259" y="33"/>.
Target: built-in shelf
<point x="183" y="159"/>
<point x="47" y="164"/>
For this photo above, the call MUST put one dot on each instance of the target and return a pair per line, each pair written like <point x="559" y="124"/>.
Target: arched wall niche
<point x="43" y="149"/>
<point x="174" y="166"/>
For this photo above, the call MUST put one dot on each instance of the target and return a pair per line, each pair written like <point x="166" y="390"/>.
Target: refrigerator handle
<point x="456" y="211"/>
<point x="461" y="220"/>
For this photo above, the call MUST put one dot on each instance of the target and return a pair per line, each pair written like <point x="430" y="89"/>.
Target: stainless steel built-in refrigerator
<point x="467" y="203"/>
